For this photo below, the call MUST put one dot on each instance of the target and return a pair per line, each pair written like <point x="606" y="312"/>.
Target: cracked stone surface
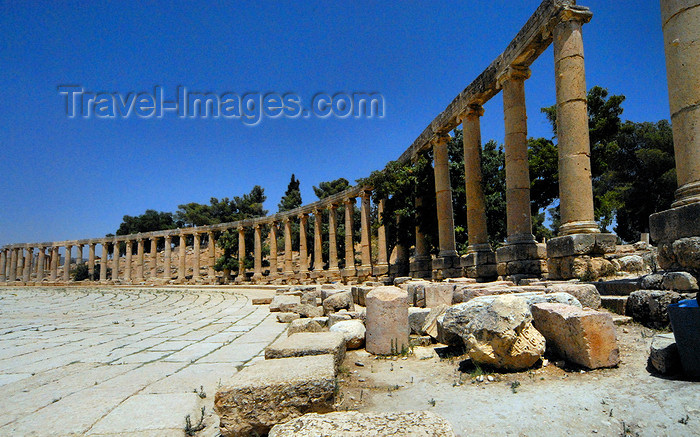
<point x="110" y="361"/>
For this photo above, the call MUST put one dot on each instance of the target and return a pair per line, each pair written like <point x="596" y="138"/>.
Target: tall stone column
<point x="79" y="259"/>
<point x="257" y="253"/>
<point x="447" y="263"/>
<point x="365" y="268"/>
<point x="20" y="263"/>
<point x="677" y="230"/>
<point x="167" y="258"/>
<point x="480" y="260"/>
<point x="28" y="256"/>
<point x="273" y="250"/>
<point x="104" y="261"/>
<point x="241" y="255"/>
<point x="197" y="247"/>
<point x="579" y="236"/>
<point x="91" y="260"/>
<point x="318" y="240"/>
<point x="288" y="266"/>
<point x="40" y="264"/>
<point x="66" y="263"/>
<point x="127" y="261"/>
<point x="115" y="260"/>
<point x="139" y="259"/>
<point x="382" y="267"/>
<point x="3" y="265"/>
<point x="332" y="238"/>
<point x="182" y="266"/>
<point x="421" y="264"/>
<point x="211" y="274"/>
<point x="349" y="269"/>
<point x="520" y="255"/>
<point x="303" y="247"/>
<point x="54" y="264"/>
<point x="154" y="257"/>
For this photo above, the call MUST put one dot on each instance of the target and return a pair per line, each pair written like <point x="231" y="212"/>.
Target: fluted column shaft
<point x="154" y="257"/>
<point x="182" y="267"/>
<point x="349" y="244"/>
<point x="681" y="29"/>
<point x="241" y="253"/>
<point x="443" y="197"/>
<point x="91" y="260"/>
<point x="273" y="249"/>
<point x="365" y="230"/>
<point x="127" y="261"/>
<point x="382" y="255"/>
<point x="288" y="267"/>
<point x="318" y="241"/>
<point x="575" y="181"/>
<point x="28" y="256"/>
<point x="139" y="259"/>
<point x="167" y="256"/>
<point x="519" y="223"/>
<point x="332" y="238"/>
<point x="476" y="203"/>
<point x="257" y="255"/>
<point x="66" y="263"/>
<point x="303" y="248"/>
<point x="103" y="261"/>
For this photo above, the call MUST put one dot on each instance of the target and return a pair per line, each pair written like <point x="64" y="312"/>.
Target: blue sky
<point x="63" y="178"/>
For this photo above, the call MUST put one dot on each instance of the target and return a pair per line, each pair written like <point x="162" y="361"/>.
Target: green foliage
<point x="81" y="273"/>
<point x="149" y="221"/>
<point x="223" y="211"/>
<point x="327" y="189"/>
<point x="292" y="197"/>
<point x="493" y="166"/>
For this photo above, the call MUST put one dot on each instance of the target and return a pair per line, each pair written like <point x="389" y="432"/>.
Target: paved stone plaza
<point x="102" y="361"/>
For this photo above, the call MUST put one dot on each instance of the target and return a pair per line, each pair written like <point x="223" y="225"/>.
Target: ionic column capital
<point x="513" y="72"/>
<point x="575" y="13"/>
<point x="349" y="201"/>
<point x="332" y="207"/>
<point x="440" y="139"/>
<point x="474" y="110"/>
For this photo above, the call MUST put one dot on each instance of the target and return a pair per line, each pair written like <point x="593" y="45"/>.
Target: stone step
<point x="621" y="320"/>
<point x="615" y="304"/>
<point x="618" y="287"/>
<point x="309" y="343"/>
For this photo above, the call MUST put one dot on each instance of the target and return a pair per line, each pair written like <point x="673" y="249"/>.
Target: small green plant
<point x="684" y="420"/>
<point x="478" y="371"/>
<point x="404" y="351"/>
<point x="191" y="430"/>
<point x="432" y="402"/>
<point x="514" y="386"/>
<point x="201" y="393"/>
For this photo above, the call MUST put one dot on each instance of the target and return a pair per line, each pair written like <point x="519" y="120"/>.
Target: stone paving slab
<point x="122" y="361"/>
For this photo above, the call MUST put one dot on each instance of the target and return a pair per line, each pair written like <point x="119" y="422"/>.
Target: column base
<point x="349" y="272"/>
<point x="521" y="258"/>
<point x="380" y="270"/>
<point x="580" y="256"/>
<point x="479" y="263"/>
<point x="677" y="234"/>
<point x="444" y="267"/>
<point x="421" y="267"/>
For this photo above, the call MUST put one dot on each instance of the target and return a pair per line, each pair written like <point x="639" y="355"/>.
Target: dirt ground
<point x="551" y="399"/>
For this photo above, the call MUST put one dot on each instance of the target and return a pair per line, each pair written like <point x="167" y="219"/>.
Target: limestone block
<point x="359" y="294"/>
<point x="355" y="424"/>
<point x="308" y="343"/>
<point x="497" y="331"/>
<point x="582" y="336"/>
<point x="653" y="281"/>
<point x="284" y="303"/>
<point x="632" y="263"/>
<point x="354" y="332"/>
<point x="680" y="281"/>
<point x="416" y="319"/>
<point x="387" y="321"/>
<point x="309" y="297"/>
<point x="616" y="304"/>
<point x="437" y="294"/>
<point x="663" y="355"/>
<point x="287" y="317"/>
<point x="586" y="294"/>
<point x="310" y="311"/>
<point x="430" y="326"/>
<point x="649" y="307"/>
<point x="466" y="293"/>
<point x="338" y="301"/>
<point x="338" y="317"/>
<point x="416" y="293"/>
<point x="401" y="279"/>
<point x="261" y="301"/>
<point x="275" y="391"/>
<point x="304" y="325"/>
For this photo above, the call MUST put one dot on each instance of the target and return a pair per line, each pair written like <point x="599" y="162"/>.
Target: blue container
<point x="685" y="320"/>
